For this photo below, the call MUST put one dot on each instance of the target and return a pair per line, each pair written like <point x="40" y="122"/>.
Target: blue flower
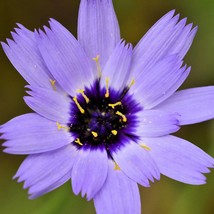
<point x="105" y="111"/>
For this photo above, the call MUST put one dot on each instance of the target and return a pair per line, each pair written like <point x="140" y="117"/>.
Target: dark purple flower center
<point x="100" y="121"/>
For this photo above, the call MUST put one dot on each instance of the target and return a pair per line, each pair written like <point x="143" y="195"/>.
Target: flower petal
<point x="161" y="82"/>
<point x="98" y="29"/>
<point x="24" y="54"/>
<point x="179" y="159"/>
<point x="51" y="187"/>
<point x="31" y="133"/>
<point x="119" y="194"/>
<point x="49" y="103"/>
<point x="117" y="68"/>
<point x="48" y="171"/>
<point x="65" y="58"/>
<point x="154" y="123"/>
<point x="193" y="105"/>
<point x="89" y="172"/>
<point x="136" y="163"/>
<point x="166" y="37"/>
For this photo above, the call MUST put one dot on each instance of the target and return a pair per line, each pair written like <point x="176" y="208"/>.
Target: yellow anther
<point x="114" y="132"/>
<point x="116" y="167"/>
<point x="78" y="142"/>
<point x="59" y="127"/>
<point x="96" y="59"/>
<point x="81" y="91"/>
<point x="124" y="118"/>
<point x="94" y="134"/>
<point x="53" y="84"/>
<point x="115" y="104"/>
<point x="132" y="83"/>
<point x="143" y="145"/>
<point x="78" y="105"/>
<point x="107" y="88"/>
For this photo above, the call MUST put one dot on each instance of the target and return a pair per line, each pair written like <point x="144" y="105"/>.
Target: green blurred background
<point x="135" y="18"/>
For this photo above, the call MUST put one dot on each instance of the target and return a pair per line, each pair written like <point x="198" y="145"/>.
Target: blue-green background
<point x="135" y="18"/>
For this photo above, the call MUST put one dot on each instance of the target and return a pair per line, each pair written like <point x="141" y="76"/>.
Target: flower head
<point x="105" y="111"/>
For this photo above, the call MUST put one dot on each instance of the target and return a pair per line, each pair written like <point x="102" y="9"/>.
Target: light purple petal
<point x="119" y="194"/>
<point x="89" y="172"/>
<point x="43" y="172"/>
<point x="154" y="123"/>
<point x="179" y="159"/>
<point x="65" y="58"/>
<point x="117" y="68"/>
<point x="52" y="187"/>
<point x="98" y="29"/>
<point x="136" y="163"/>
<point x="193" y="105"/>
<point x="160" y="82"/>
<point x="24" y="55"/>
<point x="31" y="133"/>
<point x="49" y="103"/>
<point x="166" y="37"/>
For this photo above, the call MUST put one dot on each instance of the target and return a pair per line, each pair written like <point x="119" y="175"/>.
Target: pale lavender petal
<point x="52" y="187"/>
<point x="65" y="58"/>
<point x="166" y="37"/>
<point x="154" y="123"/>
<point x="193" y="105"/>
<point x="98" y="29"/>
<point x="49" y="103"/>
<point x="136" y="163"/>
<point x="119" y="194"/>
<point x="179" y="159"/>
<point x="24" y="54"/>
<point x="117" y="68"/>
<point x="43" y="172"/>
<point x="31" y="133"/>
<point x="161" y="82"/>
<point x="89" y="172"/>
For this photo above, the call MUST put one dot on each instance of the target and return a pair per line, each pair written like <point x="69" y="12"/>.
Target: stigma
<point x="107" y="88"/>
<point x="124" y="118"/>
<point x="78" y="105"/>
<point x="53" y="84"/>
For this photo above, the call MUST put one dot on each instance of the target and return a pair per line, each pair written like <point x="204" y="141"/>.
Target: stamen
<point x="107" y="88"/>
<point x="122" y="115"/>
<point x="95" y="134"/>
<point x="78" y="105"/>
<point x="131" y="84"/>
<point x="53" y="84"/>
<point x="96" y="59"/>
<point x="143" y="145"/>
<point x="78" y="142"/>
<point x="81" y="91"/>
<point x="115" y="104"/>
<point x="116" y="167"/>
<point x="59" y="127"/>
<point x="114" y="132"/>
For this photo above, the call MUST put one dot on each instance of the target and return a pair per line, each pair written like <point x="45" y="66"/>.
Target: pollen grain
<point x="114" y="132"/>
<point x="95" y="134"/>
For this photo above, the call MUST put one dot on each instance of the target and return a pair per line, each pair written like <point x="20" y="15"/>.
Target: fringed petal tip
<point x="179" y="159"/>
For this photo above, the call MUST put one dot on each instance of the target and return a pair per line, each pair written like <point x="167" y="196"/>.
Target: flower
<point x="105" y="111"/>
